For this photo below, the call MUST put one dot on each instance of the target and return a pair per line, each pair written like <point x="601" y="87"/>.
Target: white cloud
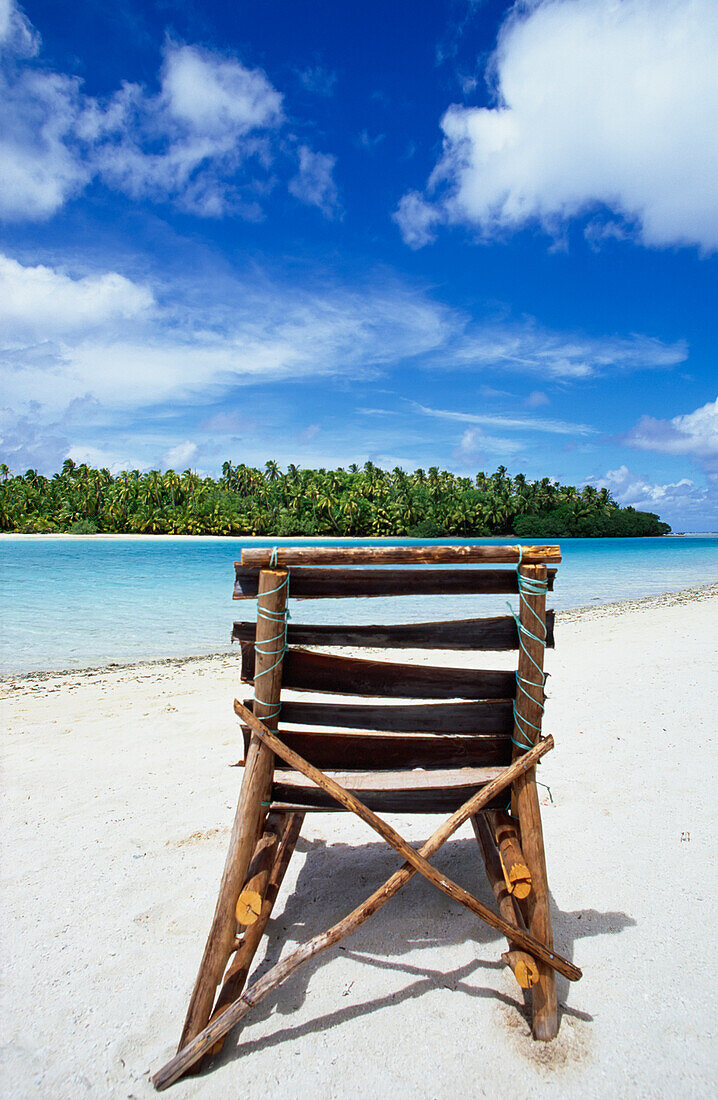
<point x="40" y="302"/>
<point x="17" y="35"/>
<point x="526" y="424"/>
<point x="216" y="96"/>
<point x="39" y="169"/>
<point x="598" y="103"/>
<point x="85" y="353"/>
<point x="694" y="434"/>
<point x="314" y="183"/>
<point x="202" y="141"/>
<point x="194" y="141"/>
<point x="211" y="140"/>
<point x="417" y="220"/>
<point x="536" y="399"/>
<point x="318" y="80"/>
<point x="475" y="443"/>
<point x="101" y="458"/>
<point x="681" y="503"/>
<point x="180" y="456"/>
<point x="105" y="336"/>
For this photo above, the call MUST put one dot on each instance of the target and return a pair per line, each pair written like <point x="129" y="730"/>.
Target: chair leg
<point x="536" y="906"/>
<point x="239" y="967"/>
<point x="248" y="825"/>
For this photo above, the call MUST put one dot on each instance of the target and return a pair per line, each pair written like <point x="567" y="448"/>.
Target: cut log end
<point x="249" y="907"/>
<point x="521" y="889"/>
<point x="524" y="967"/>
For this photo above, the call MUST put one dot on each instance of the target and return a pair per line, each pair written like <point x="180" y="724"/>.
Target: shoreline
<point x="349" y="539"/>
<point x="12" y="682"/>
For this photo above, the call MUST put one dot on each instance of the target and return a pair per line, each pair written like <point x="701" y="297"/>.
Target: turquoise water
<point x="77" y="602"/>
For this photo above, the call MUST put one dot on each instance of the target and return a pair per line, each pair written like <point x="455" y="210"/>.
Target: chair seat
<point x="411" y="791"/>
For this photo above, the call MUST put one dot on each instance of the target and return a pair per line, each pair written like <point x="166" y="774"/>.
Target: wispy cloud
<point x="314" y="182"/>
<point x="318" y="80"/>
<point x="597" y="104"/>
<point x="91" y="357"/>
<point x="476" y="444"/>
<point x="130" y="346"/>
<point x="526" y="424"/>
<point x="529" y="348"/>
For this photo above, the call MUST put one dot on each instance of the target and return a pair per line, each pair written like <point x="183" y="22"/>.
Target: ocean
<point x="70" y="603"/>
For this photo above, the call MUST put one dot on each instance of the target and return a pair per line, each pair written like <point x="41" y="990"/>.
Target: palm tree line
<point x="354" y="502"/>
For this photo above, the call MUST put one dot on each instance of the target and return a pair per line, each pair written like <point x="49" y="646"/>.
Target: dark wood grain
<point x="497" y="633"/>
<point x="392" y="791"/>
<point x="336" y="583"/>
<point x="332" y="749"/>
<point x="305" y="670"/>
<point x="487" y="716"/>
<point x="400" y="555"/>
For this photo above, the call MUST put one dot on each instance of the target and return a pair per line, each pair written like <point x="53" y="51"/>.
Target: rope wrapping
<point x="277" y="617"/>
<point x="528" y="586"/>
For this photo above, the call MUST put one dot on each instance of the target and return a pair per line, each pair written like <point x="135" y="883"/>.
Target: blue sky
<point x="456" y="233"/>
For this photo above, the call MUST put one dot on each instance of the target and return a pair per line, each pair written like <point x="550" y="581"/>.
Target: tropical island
<point x="354" y="502"/>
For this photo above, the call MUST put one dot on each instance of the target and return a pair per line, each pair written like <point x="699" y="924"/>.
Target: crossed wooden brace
<point x="415" y="861"/>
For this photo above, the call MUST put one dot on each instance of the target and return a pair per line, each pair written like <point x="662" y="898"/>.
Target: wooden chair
<point x="451" y="758"/>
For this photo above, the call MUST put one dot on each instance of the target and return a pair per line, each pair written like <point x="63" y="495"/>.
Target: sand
<point x="117" y="804"/>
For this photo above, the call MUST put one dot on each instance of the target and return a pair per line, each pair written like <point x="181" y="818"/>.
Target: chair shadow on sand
<point x="334" y="878"/>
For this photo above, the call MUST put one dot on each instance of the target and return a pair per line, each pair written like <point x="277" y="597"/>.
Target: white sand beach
<point x="117" y="803"/>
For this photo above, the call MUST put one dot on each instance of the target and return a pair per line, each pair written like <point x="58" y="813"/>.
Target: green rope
<point x="528" y="586"/>
<point x="277" y="617"/>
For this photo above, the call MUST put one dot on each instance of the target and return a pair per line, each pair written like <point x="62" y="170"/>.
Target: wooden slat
<point x="390" y="791"/>
<point x="335" y="583"/>
<point x="327" y="750"/>
<point x="497" y="633"/>
<point x="487" y="716"/>
<point x="400" y="555"/>
<point x="305" y="670"/>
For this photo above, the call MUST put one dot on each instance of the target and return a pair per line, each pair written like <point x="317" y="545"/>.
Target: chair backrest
<point x="473" y="729"/>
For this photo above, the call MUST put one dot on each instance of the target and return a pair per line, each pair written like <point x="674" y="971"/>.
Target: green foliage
<point x="355" y="503"/>
<point x="83" y="527"/>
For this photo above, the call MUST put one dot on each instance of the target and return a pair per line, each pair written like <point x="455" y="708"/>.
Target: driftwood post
<point x="289" y="827"/>
<point x="524" y="966"/>
<point x="250" y="815"/>
<point x="529" y="704"/>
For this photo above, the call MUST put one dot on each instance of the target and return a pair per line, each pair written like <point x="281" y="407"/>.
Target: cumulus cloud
<point x="41" y="302"/>
<point x="682" y="503"/>
<point x="211" y="139"/>
<point x="38" y="168"/>
<point x="180" y="456"/>
<point x="598" y="104"/>
<point x="693" y="434"/>
<point x="204" y="135"/>
<point x="17" y="35"/>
